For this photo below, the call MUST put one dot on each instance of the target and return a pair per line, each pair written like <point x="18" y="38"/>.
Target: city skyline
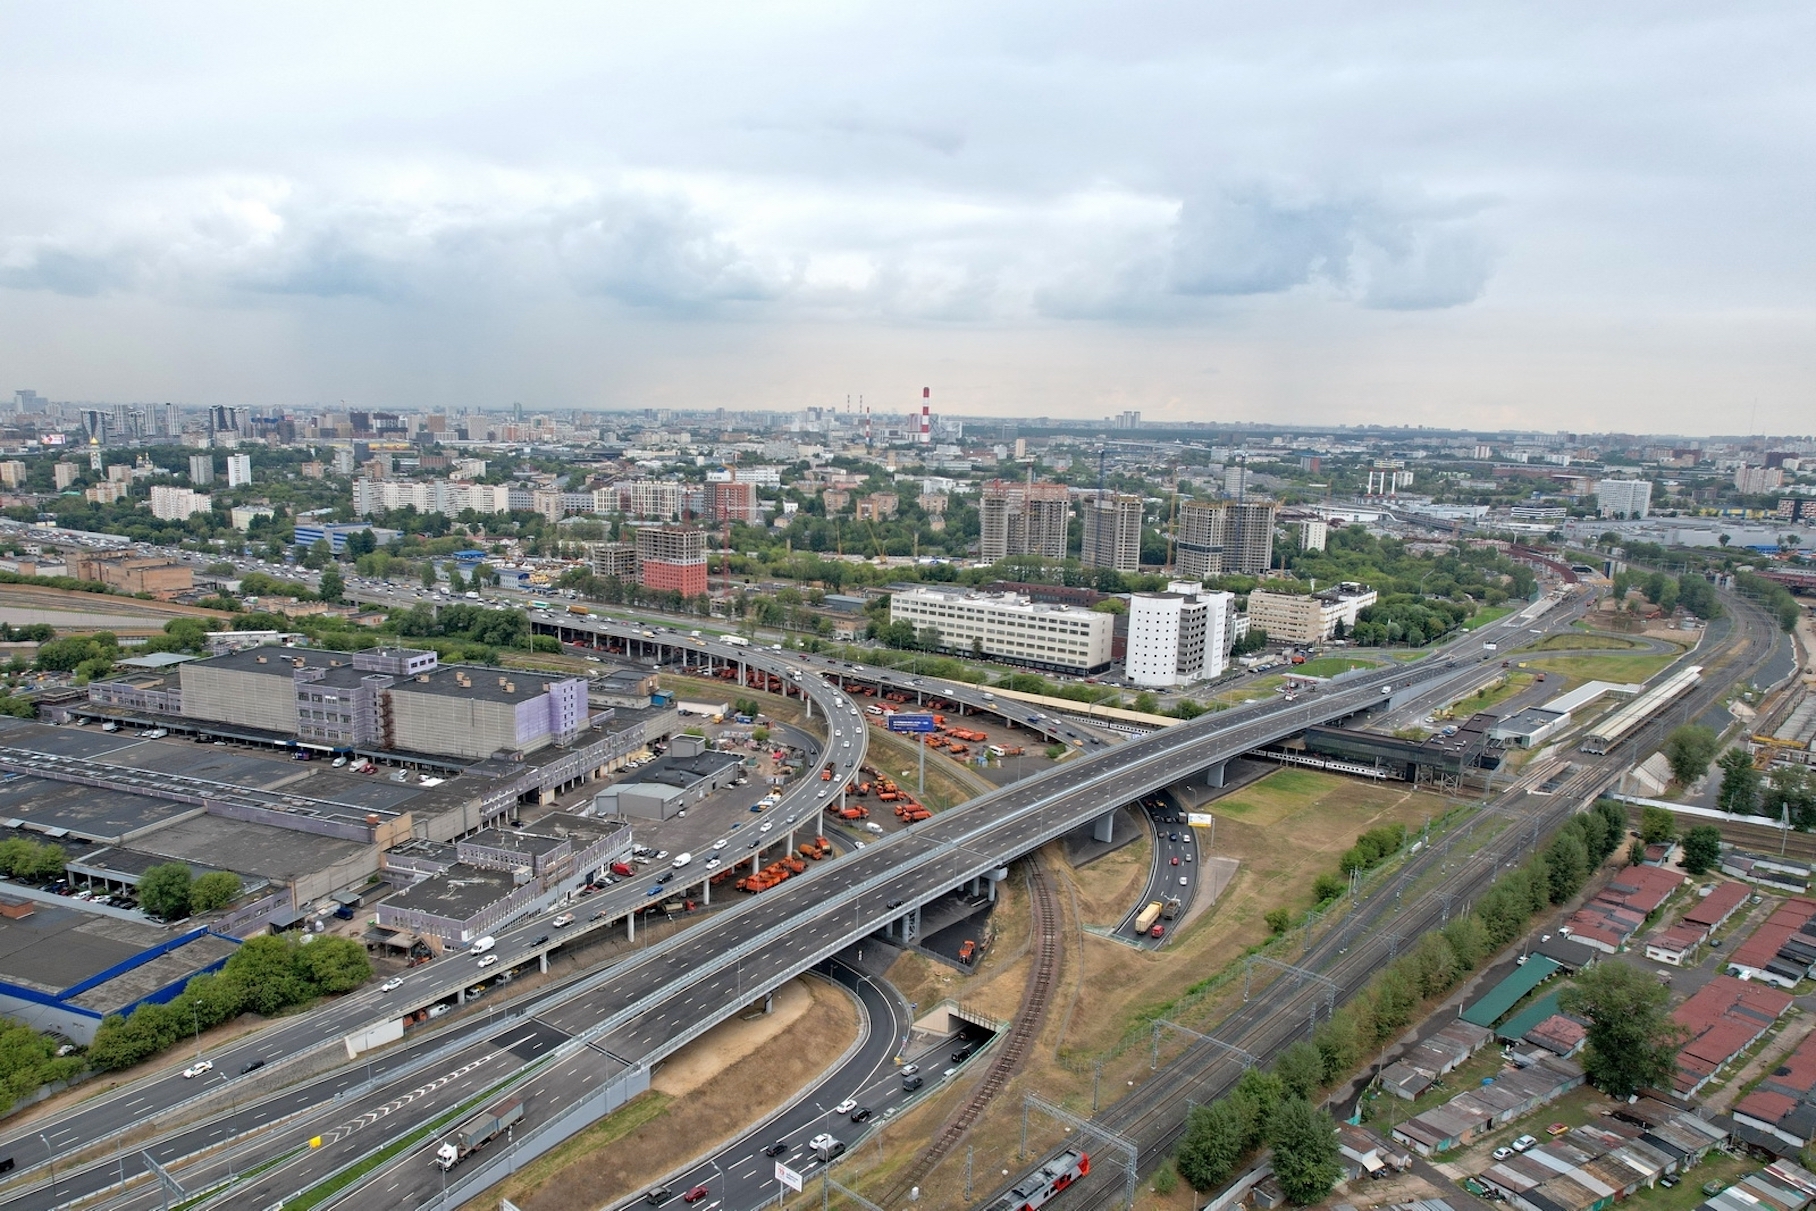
<point x="1458" y="217"/>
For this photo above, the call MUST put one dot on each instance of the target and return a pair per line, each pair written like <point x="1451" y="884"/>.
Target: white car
<point x="392" y="984"/>
<point x="767" y="825"/>
<point x="846" y="1106"/>
<point x="197" y="1069"/>
<point x="720" y="843"/>
<point x="488" y="960"/>
<point x="712" y="864"/>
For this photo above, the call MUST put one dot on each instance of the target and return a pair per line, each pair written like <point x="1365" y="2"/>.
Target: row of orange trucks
<point x="779" y="871"/>
<point x="886" y="790"/>
<point x="955" y="740"/>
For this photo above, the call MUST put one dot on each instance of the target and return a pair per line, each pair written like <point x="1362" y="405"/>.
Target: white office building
<point x="239" y="469"/>
<point x="1177" y="637"/>
<point x="1625" y="498"/>
<point x="1010" y="627"/>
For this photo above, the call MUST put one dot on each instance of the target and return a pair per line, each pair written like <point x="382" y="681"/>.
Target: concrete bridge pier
<point x="1213" y="777"/>
<point x="1104" y="828"/>
<point x="630" y="927"/>
<point x="542" y="961"/>
<point x="994" y="877"/>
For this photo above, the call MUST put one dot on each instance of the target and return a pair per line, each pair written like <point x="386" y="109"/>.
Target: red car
<point x="694" y="1195"/>
<point x="1175" y="860"/>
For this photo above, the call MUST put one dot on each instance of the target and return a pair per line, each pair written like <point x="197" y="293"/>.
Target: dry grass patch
<point x="1107" y="887"/>
<point x="1285" y="828"/>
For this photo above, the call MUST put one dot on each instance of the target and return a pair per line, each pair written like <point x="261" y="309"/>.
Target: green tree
<point x="1213" y="1144"/>
<point x="1568" y="865"/>
<point x="1305" y="1151"/>
<point x="334" y="965"/>
<point x="265" y="973"/>
<point x="1300" y="1069"/>
<point x="332" y="586"/>
<point x="1702" y="849"/>
<point x="428" y="574"/>
<point x="1656" y="824"/>
<point x="216" y="889"/>
<point x="1279" y="920"/>
<point x="1632" y="1040"/>
<point x="164" y="890"/>
<point x="1146" y="703"/>
<point x="1739" y="783"/>
<point x="1689" y="749"/>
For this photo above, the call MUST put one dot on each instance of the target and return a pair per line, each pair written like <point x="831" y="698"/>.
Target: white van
<point x="682" y="859"/>
<point x="484" y="944"/>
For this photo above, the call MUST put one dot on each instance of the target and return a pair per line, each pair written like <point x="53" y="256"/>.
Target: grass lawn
<point x="1603" y="668"/>
<point x="1260" y="688"/>
<point x="1409" y="656"/>
<point x="1491" y="696"/>
<point x="1330" y="666"/>
<point x="1580" y="642"/>
<point x="1486" y="615"/>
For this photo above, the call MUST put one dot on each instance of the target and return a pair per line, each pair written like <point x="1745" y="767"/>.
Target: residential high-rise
<point x="732" y="501"/>
<point x="1112" y="531"/>
<point x="201" y="469"/>
<point x="672" y="558"/>
<point x="1022" y="519"/>
<point x="239" y="469"/>
<point x="177" y="504"/>
<point x="1628" y="498"/>
<point x="1220" y="536"/>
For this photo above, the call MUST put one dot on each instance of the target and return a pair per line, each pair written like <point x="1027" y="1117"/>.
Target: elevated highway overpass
<point x="630" y="1017"/>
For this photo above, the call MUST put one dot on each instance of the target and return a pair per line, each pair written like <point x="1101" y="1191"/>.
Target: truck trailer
<point x="1144" y="920"/>
<point x="477" y="1132"/>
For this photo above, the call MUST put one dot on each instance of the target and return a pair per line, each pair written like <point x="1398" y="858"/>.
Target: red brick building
<point x="672" y="559"/>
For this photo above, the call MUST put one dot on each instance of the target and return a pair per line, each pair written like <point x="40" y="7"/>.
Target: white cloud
<point x="1018" y="174"/>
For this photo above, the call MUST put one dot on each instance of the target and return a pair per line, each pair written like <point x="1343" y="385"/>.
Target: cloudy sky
<point x="1561" y="216"/>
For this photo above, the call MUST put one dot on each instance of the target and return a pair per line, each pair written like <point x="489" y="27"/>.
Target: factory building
<point x="391" y="698"/>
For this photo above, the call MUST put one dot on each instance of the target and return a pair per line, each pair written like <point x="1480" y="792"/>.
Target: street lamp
<point x="51" y="1154"/>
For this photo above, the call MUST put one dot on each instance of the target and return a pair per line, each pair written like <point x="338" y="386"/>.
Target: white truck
<point x="682" y="859"/>
<point x="484" y="944"/>
<point x="476" y="1132"/>
<point x="736" y="641"/>
<point x="824" y="1147"/>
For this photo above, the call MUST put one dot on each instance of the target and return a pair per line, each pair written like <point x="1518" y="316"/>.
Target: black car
<point x="963" y="1053"/>
<point x="911" y="1083"/>
<point x="662" y="880"/>
<point x="895" y="903"/>
<point x="660" y="1194"/>
<point x="539" y="941"/>
<point x="862" y="1114"/>
<point x="776" y="1149"/>
<point x="251" y="1066"/>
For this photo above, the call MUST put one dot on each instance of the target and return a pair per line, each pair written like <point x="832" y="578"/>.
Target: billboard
<point x="901" y="721"/>
<point x="788" y="1177"/>
<point x="1199" y="819"/>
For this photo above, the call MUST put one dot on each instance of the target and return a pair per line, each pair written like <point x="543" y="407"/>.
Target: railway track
<point x="1048" y="928"/>
<point x="1153" y="1117"/>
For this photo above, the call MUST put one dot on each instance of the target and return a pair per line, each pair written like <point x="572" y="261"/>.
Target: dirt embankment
<point x="702" y="1097"/>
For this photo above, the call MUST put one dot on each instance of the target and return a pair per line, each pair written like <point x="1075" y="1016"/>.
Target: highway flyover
<point x="67" y="1140"/>
<point x="618" y="1023"/>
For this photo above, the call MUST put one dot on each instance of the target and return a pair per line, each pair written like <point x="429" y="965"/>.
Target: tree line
<point x="1275" y="1107"/>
